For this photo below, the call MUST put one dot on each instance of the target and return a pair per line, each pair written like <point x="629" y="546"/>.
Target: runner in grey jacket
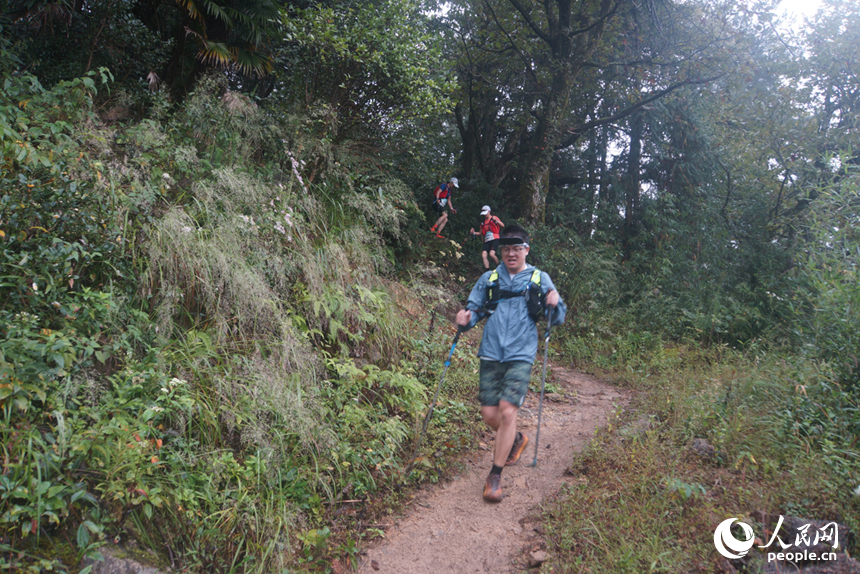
<point x="510" y="335"/>
<point x="508" y="348"/>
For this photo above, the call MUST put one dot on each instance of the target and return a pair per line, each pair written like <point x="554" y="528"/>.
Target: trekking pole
<point x="460" y="330"/>
<point x="543" y="381"/>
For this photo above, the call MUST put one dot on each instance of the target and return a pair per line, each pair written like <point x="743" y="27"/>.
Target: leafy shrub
<point x="58" y="238"/>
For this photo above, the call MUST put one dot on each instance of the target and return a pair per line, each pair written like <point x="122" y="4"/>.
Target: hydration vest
<point x="533" y="294"/>
<point x="491" y="225"/>
<point x="446" y="193"/>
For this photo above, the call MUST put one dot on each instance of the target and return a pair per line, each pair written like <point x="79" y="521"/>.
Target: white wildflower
<point x="165" y="390"/>
<point x="296" y="167"/>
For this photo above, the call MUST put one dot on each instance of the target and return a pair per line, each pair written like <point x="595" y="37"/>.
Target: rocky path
<point x="450" y="529"/>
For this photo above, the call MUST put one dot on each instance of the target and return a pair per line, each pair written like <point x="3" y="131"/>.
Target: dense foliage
<point x="216" y="273"/>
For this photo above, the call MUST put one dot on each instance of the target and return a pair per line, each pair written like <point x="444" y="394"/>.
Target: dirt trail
<point x="450" y="529"/>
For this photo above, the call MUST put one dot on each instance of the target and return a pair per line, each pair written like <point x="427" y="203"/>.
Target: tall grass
<point x="783" y="438"/>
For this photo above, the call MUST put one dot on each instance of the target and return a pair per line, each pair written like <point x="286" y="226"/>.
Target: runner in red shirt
<point x="442" y="198"/>
<point x="490" y="229"/>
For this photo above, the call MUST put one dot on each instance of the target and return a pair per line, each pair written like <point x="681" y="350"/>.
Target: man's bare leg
<point x="503" y="420"/>
<point x="440" y="223"/>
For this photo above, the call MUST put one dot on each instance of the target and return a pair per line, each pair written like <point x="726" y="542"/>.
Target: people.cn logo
<point x="726" y="543"/>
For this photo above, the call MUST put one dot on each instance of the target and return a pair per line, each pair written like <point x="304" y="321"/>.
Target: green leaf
<point x="92" y="526"/>
<point x="58" y="359"/>
<point x="83" y="537"/>
<point x="56" y="489"/>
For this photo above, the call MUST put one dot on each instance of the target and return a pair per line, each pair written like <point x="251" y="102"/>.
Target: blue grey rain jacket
<point x="510" y="334"/>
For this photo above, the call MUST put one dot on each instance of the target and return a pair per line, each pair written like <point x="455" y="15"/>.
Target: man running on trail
<point x="490" y="232"/>
<point x="509" y="344"/>
<point x="441" y="198"/>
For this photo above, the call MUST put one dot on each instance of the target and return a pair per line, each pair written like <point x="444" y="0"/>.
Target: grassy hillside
<point x="203" y="349"/>
<point x="711" y="434"/>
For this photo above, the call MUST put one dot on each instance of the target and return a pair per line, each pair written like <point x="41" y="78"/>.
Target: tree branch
<point x="577" y="131"/>
<point x="543" y="36"/>
<point x="526" y="62"/>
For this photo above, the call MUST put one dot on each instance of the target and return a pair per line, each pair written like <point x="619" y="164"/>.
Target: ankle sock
<point x="496" y="470"/>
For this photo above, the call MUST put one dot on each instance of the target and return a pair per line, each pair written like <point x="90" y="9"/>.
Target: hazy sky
<point x="799" y="8"/>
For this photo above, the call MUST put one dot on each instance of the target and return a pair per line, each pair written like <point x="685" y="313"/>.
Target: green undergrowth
<point x="784" y="441"/>
<point x="202" y="352"/>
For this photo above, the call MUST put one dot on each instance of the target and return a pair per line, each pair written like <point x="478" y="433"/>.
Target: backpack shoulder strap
<point x="493" y="290"/>
<point x="535" y="298"/>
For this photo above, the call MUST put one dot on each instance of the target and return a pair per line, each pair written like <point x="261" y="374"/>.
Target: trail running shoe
<point x="440" y="236"/>
<point x="493" y="488"/>
<point x="433" y="229"/>
<point x="519" y="446"/>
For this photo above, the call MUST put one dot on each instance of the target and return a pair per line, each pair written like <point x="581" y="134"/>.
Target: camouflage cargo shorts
<point x="504" y="381"/>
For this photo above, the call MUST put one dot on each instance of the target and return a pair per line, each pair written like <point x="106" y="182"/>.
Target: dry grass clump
<point x="205" y="272"/>
<point x="267" y="270"/>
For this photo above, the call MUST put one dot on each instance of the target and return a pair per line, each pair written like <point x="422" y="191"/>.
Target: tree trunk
<point x="632" y="182"/>
<point x="591" y="186"/>
<point x="469" y="138"/>
<point x="535" y="183"/>
<point x="569" y="51"/>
